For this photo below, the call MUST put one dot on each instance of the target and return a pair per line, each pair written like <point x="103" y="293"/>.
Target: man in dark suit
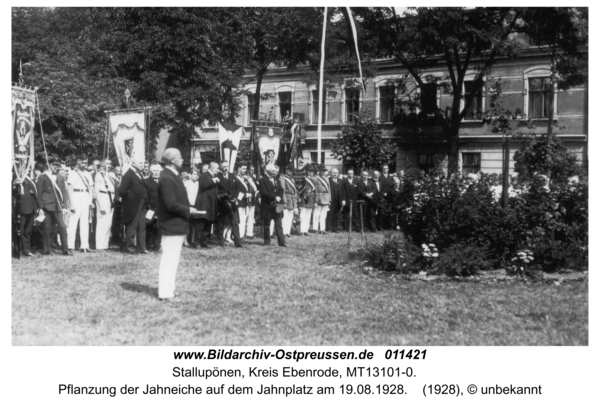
<point x="134" y="204"/>
<point x="152" y="229"/>
<point x="350" y="194"/>
<point x="229" y="219"/>
<point x="333" y="215"/>
<point x="173" y="211"/>
<point x="116" y="223"/>
<point x="365" y="193"/>
<point x="28" y="207"/>
<point x="206" y="203"/>
<point x="393" y="197"/>
<point x="379" y="189"/>
<point x="54" y="201"/>
<point x="386" y="178"/>
<point x="271" y="194"/>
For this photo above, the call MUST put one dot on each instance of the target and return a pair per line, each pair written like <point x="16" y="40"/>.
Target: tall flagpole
<point x="321" y="98"/>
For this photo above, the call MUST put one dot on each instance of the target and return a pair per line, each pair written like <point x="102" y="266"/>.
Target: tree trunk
<point x="550" y="101"/>
<point x="453" y="149"/>
<point x="259" y="78"/>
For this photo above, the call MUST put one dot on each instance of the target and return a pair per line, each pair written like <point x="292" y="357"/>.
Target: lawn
<point x="308" y="294"/>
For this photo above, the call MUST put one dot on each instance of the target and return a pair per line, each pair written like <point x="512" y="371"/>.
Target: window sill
<point x="537" y="119"/>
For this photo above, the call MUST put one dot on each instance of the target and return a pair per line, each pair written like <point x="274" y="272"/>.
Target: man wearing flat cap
<point x="271" y="205"/>
<point x="173" y="211"/>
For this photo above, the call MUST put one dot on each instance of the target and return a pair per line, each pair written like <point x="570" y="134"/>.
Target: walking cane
<point x="350" y="225"/>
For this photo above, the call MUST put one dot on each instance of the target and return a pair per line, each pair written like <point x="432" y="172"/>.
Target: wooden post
<point x="505" y="165"/>
<point x="350" y="226"/>
<point x="362" y="230"/>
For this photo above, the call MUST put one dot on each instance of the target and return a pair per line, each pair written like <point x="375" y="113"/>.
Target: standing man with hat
<point x="290" y="199"/>
<point x="134" y="197"/>
<point x="54" y="199"/>
<point x="307" y="201"/>
<point x="323" y="199"/>
<point x="271" y="205"/>
<point x="80" y="187"/>
<point x="173" y="211"/>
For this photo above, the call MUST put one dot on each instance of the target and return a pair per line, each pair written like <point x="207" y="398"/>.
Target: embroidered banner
<point x="269" y="141"/>
<point x="23" y="123"/>
<point x="128" y="131"/>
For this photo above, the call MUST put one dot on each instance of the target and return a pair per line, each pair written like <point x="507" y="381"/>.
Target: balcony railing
<point x="421" y="127"/>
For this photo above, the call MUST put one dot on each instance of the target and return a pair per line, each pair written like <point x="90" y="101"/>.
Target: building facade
<point x="525" y="86"/>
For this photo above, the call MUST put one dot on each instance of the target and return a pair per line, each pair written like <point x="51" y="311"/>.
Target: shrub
<point x="464" y="259"/>
<point x="447" y="212"/>
<point x="536" y="154"/>
<point x="557" y="225"/>
<point x="394" y="254"/>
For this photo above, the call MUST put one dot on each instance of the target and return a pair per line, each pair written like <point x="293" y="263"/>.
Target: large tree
<point x="279" y="36"/>
<point x="191" y="60"/>
<point x="187" y="64"/>
<point x="76" y="81"/>
<point x="463" y="40"/>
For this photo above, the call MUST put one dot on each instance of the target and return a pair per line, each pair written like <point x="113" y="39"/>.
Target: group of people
<point x="222" y="201"/>
<point x="91" y="206"/>
<point x="85" y="206"/>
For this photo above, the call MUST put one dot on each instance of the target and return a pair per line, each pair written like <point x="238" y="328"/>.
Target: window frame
<point x="358" y="101"/>
<point x="532" y="73"/>
<point x="285" y="88"/>
<point x="471" y="78"/>
<point x="470" y="165"/>
<point x="380" y="100"/>
<point x="313" y="119"/>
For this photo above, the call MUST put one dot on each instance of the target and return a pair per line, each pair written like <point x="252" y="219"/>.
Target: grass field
<point x="301" y="295"/>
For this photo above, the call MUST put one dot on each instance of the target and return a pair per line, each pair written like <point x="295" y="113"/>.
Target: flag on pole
<point x="229" y="140"/>
<point x="352" y="28"/>
<point x="23" y="123"/>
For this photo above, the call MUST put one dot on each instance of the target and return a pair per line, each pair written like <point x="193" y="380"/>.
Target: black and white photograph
<point x="299" y="176"/>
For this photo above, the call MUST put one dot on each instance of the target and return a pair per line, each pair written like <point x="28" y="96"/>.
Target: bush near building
<point x="457" y="214"/>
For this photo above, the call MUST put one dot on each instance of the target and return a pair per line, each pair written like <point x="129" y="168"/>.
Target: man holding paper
<point x="173" y="211"/>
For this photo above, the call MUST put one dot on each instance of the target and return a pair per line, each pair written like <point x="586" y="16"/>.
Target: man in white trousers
<point x="290" y="200"/>
<point x="81" y="195"/>
<point x="104" y="189"/>
<point x="243" y="195"/>
<point x="322" y="200"/>
<point x="173" y="211"/>
<point x="253" y="189"/>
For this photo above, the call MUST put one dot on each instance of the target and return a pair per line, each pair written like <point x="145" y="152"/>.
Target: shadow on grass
<point x="140" y="288"/>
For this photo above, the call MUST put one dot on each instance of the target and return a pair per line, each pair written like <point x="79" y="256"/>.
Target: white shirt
<point x="191" y="187"/>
